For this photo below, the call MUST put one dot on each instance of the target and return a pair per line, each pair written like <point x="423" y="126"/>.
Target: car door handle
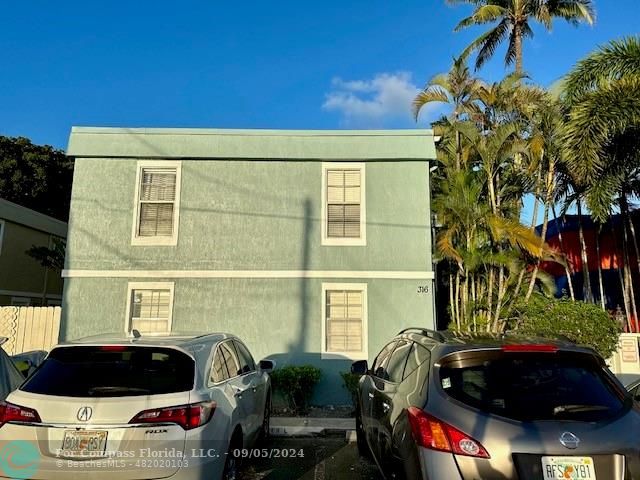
<point x="370" y="395"/>
<point x="386" y="407"/>
<point x="237" y="391"/>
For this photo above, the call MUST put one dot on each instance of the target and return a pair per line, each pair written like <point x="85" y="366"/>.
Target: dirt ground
<point x="309" y="458"/>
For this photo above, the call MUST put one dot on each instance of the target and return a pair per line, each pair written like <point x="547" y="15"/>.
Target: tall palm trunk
<point x="567" y="266"/>
<point x="457" y="297"/>
<point x="517" y="42"/>
<point x="545" y="224"/>
<point x="587" y="293"/>
<point x="622" y="276"/>
<point x="452" y="304"/>
<point x="635" y="241"/>
<point x="490" y="297"/>
<point x="624" y="210"/>
<point x="600" y="279"/>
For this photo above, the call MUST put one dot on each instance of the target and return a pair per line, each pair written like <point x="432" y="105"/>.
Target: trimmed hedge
<point x="296" y="384"/>
<point x="582" y="323"/>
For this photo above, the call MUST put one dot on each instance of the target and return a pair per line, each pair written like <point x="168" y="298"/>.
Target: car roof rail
<point x="433" y="334"/>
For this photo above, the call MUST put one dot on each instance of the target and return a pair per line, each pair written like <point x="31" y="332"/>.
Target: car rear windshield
<point x="531" y="386"/>
<point x="112" y="371"/>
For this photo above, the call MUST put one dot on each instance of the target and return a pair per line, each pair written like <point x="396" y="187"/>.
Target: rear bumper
<point x="438" y="465"/>
<point x="193" y="469"/>
<point x="198" y="457"/>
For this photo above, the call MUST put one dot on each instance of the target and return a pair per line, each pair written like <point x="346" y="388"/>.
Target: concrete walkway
<point x="300" y="426"/>
<point x="309" y="458"/>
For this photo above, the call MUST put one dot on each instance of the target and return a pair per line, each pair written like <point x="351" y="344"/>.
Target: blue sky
<point x="331" y="64"/>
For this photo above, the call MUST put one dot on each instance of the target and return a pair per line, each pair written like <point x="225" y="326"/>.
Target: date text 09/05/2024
<point x="268" y="453"/>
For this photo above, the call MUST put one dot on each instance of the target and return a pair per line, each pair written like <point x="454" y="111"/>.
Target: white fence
<point x="625" y="362"/>
<point x="29" y="328"/>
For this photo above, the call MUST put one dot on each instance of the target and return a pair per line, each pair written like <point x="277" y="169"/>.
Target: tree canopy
<point x="35" y="176"/>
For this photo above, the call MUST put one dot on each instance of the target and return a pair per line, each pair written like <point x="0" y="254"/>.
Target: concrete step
<point x="304" y="426"/>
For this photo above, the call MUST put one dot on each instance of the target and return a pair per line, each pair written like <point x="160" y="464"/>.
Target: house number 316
<point x="423" y="289"/>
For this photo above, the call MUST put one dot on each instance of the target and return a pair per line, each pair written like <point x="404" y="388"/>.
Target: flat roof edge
<point x="251" y="132"/>
<point x="27" y="217"/>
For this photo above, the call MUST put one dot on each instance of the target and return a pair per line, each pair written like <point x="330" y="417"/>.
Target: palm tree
<point x="602" y="95"/>
<point x="484" y="246"/>
<point x="514" y="19"/>
<point x="457" y="88"/>
<point x="600" y="138"/>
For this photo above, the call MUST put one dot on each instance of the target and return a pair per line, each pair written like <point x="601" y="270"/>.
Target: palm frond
<point x="513" y="232"/>
<point x="483" y="14"/>
<point x="599" y="115"/>
<point x="488" y="43"/>
<point x="573" y="11"/>
<point x="617" y="59"/>
<point x="429" y="95"/>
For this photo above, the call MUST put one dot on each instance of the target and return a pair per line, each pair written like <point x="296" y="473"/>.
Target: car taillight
<point x="16" y="413"/>
<point x="112" y="348"/>
<point x="187" y="416"/>
<point x="530" y="348"/>
<point x="435" y="434"/>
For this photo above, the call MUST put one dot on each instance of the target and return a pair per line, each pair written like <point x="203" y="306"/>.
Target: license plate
<point x="575" y="468"/>
<point x="84" y="443"/>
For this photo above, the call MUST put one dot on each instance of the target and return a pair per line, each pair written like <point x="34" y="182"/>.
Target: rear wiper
<point x="578" y="408"/>
<point x="94" y="390"/>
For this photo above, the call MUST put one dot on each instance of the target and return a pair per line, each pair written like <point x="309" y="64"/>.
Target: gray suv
<point x="438" y="406"/>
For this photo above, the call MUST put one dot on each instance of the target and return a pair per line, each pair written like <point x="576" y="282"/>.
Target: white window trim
<point x="339" y="241"/>
<point x="360" y="355"/>
<point x="159" y="240"/>
<point x="131" y="286"/>
<point x="3" y="225"/>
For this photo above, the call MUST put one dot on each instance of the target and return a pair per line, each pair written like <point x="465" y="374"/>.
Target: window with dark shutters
<point x="157" y="202"/>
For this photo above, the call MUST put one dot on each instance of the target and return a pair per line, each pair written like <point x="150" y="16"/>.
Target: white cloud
<point x="376" y="102"/>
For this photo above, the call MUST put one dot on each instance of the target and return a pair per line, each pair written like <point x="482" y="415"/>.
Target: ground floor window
<point x="149" y="307"/>
<point x="344" y="320"/>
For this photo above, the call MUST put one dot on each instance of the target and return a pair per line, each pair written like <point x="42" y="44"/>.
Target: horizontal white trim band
<point x="393" y="275"/>
<point x="16" y="293"/>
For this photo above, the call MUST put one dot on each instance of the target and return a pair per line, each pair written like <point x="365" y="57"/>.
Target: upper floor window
<point x="343" y="204"/>
<point x="157" y="203"/>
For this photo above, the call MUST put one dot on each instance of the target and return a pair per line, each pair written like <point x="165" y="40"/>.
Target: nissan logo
<point x="569" y="440"/>
<point x="84" y="414"/>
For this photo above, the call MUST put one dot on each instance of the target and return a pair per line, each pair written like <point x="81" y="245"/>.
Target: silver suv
<point x="436" y="406"/>
<point x="119" y="408"/>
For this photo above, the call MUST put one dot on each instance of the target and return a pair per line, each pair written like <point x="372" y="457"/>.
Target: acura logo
<point x="84" y="414"/>
<point x="569" y="440"/>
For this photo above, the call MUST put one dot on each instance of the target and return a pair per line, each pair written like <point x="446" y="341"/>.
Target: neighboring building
<point x="23" y="280"/>
<point x="603" y="249"/>
<point x="312" y="246"/>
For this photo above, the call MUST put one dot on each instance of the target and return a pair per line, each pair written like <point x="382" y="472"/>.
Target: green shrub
<point x="296" y="383"/>
<point x="580" y="322"/>
<point x="350" y="382"/>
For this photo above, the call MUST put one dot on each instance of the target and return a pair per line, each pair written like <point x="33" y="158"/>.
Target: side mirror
<point x="360" y="367"/>
<point x="24" y="366"/>
<point x="267" y="365"/>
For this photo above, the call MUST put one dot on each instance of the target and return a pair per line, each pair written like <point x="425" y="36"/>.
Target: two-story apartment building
<point x="312" y="246"/>
<point x="23" y="280"/>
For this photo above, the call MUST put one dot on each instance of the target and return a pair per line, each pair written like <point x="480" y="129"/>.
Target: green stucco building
<point x="312" y="246"/>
